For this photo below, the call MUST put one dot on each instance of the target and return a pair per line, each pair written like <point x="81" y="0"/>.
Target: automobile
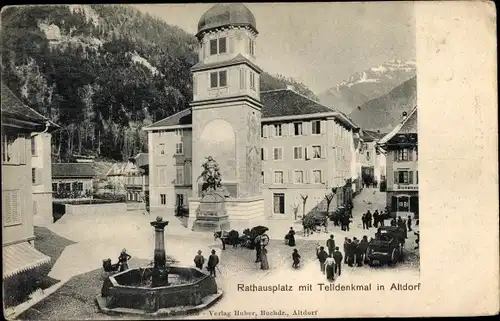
<point x="387" y="246"/>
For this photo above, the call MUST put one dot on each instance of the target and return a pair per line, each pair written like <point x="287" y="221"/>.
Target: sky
<point x="319" y="44"/>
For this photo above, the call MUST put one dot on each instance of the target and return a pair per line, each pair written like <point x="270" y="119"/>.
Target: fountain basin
<point x="189" y="290"/>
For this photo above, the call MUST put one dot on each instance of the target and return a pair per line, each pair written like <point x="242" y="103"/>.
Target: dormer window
<point x="218" y="46"/>
<point x="218" y="79"/>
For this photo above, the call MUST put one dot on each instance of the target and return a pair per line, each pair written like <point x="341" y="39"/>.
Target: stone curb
<point x="12" y="313"/>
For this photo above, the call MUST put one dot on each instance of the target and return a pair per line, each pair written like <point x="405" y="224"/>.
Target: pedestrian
<point x="403" y="227"/>
<point x="363" y="220"/>
<point x="322" y="256"/>
<point x="223" y="236"/>
<point x="295" y="259"/>
<point x="347" y="223"/>
<point x="363" y="248"/>
<point x="291" y="237"/>
<point x="350" y="252"/>
<point x="369" y="219"/>
<point x="199" y="260"/>
<point x="400" y="221"/>
<point x="376" y="217"/>
<point x="264" y="264"/>
<point x="213" y="261"/>
<point x="258" y="249"/>
<point x="393" y="222"/>
<point x="337" y="256"/>
<point x="123" y="260"/>
<point x="358" y="252"/>
<point x="346" y="243"/>
<point x="409" y="224"/>
<point x="329" y="268"/>
<point x="330" y="245"/>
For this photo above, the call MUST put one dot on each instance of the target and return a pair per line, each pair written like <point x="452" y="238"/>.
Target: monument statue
<point x="211" y="214"/>
<point x="211" y="177"/>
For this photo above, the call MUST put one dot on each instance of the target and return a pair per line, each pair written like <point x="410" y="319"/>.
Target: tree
<point x="304" y="200"/>
<point x="295" y="209"/>
<point x="329" y="199"/>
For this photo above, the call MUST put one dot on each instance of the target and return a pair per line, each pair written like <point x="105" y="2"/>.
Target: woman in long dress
<point x="329" y="265"/>
<point x="264" y="264"/>
<point x="291" y="237"/>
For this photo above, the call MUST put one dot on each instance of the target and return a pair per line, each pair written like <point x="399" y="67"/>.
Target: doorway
<point x="179" y="200"/>
<point x="279" y="203"/>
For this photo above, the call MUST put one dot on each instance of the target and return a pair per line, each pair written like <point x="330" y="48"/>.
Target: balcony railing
<point x="404" y="187"/>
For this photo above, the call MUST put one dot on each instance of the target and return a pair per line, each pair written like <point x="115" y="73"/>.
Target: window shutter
<point x="323" y="127"/>
<point x="410" y="177"/>
<point x="265" y="153"/>
<point x="285" y="129"/>
<point x="265" y="131"/>
<point x="323" y="152"/>
<point x="410" y="154"/>
<point x="395" y="154"/>
<point x="396" y="173"/>
<point x="306" y="153"/>
<point x="305" y="128"/>
<point x="22" y="149"/>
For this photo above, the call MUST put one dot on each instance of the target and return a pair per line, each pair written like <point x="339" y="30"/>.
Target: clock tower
<point x="226" y="107"/>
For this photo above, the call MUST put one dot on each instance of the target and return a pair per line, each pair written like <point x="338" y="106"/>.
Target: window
<point x="252" y="80"/>
<point x="162" y="175"/>
<point x="279" y="203"/>
<point x="33" y="175"/>
<point x="251" y="46"/>
<point x="161" y="149"/>
<point x="262" y="131"/>
<point x="242" y="79"/>
<point x="316" y="127"/>
<point x="368" y="155"/>
<point x="278" y="130"/>
<point x="54" y="187"/>
<point x="297" y="129"/>
<point x="179" y="175"/>
<point x="299" y="177"/>
<point x="316" y="151"/>
<point x="297" y="153"/>
<point x="163" y="199"/>
<point x="179" y="149"/>
<point x="179" y="199"/>
<point x="179" y="132"/>
<point x="262" y="154"/>
<point x="66" y="187"/>
<point x="11" y="211"/>
<point x="262" y="180"/>
<point x="218" y="79"/>
<point x="277" y="153"/>
<point x="278" y="177"/>
<point x="403" y="177"/>
<point x="218" y="46"/>
<point x="8" y="149"/>
<point x="403" y="155"/>
<point x="317" y="177"/>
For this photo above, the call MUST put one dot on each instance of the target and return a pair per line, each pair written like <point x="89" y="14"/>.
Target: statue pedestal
<point x="211" y="214"/>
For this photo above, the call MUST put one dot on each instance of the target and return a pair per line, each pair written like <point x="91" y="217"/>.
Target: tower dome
<point x="223" y="15"/>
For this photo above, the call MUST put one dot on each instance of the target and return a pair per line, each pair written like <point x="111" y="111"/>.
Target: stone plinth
<point x="211" y="214"/>
<point x="237" y="209"/>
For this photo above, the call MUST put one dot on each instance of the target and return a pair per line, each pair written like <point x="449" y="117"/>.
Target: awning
<point x="21" y="257"/>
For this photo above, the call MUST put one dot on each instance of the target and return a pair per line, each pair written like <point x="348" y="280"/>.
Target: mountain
<point x="101" y="72"/>
<point x="368" y="84"/>
<point x="383" y="113"/>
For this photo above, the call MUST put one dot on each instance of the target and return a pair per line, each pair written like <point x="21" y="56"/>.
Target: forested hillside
<point x="101" y="72"/>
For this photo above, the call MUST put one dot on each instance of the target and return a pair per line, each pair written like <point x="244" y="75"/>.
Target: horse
<point x="232" y="237"/>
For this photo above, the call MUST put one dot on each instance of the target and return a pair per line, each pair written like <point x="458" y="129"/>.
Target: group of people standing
<point x="213" y="262"/>
<point x="330" y="262"/>
<point x="374" y="220"/>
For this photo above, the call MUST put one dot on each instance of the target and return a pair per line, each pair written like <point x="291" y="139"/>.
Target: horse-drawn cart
<point x="248" y="238"/>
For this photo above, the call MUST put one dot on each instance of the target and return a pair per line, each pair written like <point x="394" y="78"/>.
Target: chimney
<point x="405" y="114"/>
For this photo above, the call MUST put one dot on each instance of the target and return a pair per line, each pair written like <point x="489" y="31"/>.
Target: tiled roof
<point x="239" y="59"/>
<point x="184" y="117"/>
<point x="69" y="170"/>
<point x="411" y="120"/>
<point x="276" y="103"/>
<point x="13" y="107"/>
<point x="370" y="135"/>
<point x="285" y="102"/>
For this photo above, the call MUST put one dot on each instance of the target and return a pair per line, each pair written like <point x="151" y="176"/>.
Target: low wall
<point x="95" y="208"/>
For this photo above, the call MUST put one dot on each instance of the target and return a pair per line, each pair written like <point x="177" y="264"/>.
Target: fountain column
<point x="160" y="272"/>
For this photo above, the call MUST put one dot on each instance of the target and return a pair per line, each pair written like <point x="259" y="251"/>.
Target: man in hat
<point x="199" y="260"/>
<point x="213" y="261"/>
<point x="330" y="245"/>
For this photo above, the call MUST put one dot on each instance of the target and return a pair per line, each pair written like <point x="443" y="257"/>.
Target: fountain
<point x="161" y="290"/>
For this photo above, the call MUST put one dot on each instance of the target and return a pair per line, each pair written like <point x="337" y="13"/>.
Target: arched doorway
<point x="403" y="203"/>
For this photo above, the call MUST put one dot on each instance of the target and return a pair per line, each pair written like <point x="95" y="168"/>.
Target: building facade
<point x="373" y="163"/>
<point x="401" y="148"/>
<point x="72" y="180"/>
<point x="271" y="147"/>
<point x="21" y="188"/>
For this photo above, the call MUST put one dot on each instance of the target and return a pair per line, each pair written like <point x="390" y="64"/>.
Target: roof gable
<point x="412" y="123"/>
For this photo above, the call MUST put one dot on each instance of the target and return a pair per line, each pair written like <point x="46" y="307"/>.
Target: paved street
<point x="100" y="236"/>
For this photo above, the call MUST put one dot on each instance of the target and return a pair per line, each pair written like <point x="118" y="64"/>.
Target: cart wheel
<point x="265" y="239"/>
